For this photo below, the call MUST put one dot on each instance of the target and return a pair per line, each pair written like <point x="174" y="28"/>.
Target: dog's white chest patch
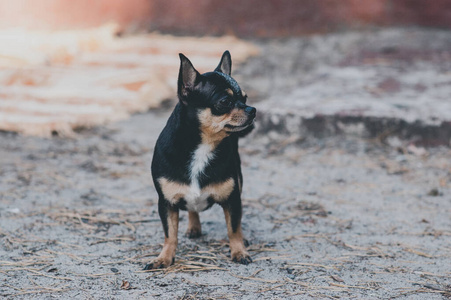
<point x="200" y="160"/>
<point x="195" y="199"/>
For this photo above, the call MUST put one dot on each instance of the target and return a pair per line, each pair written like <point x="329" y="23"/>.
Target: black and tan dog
<point x="196" y="162"/>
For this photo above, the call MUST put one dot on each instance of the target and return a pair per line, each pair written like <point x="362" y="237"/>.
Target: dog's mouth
<point x="235" y="128"/>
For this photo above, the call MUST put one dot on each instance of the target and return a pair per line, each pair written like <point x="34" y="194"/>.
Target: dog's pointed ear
<point x="188" y="77"/>
<point x="225" y="65"/>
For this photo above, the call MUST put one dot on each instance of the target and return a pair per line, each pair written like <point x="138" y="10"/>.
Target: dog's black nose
<point x="250" y="110"/>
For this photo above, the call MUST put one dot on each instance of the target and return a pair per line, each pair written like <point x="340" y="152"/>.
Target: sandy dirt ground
<point x="337" y="217"/>
<point x="324" y="218"/>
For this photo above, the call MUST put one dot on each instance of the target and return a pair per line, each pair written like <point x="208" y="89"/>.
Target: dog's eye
<point x="226" y="102"/>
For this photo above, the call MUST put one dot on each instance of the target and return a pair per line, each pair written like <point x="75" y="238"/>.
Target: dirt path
<point x="324" y="218"/>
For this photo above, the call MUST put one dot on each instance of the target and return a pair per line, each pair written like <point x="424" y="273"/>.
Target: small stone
<point x="126" y="285"/>
<point x="434" y="192"/>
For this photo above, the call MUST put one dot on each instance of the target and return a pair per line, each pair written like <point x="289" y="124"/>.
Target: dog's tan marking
<point x="174" y="191"/>
<point x="243" y="93"/>
<point x="237" y="249"/>
<point x="167" y="254"/>
<point x="194" y="226"/>
<point x="220" y="191"/>
<point x="213" y="127"/>
<point x="230" y="92"/>
<point x="238" y="117"/>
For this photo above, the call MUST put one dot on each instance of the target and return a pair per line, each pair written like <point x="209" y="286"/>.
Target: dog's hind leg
<point x="194" y="227"/>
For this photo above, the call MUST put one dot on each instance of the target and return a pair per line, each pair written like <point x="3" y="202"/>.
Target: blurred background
<point x="241" y="18"/>
<point x="67" y="64"/>
<point x="329" y="209"/>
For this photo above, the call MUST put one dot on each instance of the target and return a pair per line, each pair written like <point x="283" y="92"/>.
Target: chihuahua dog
<point x="196" y="162"/>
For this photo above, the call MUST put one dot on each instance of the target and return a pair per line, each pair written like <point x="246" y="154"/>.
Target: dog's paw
<point x="194" y="233"/>
<point x="242" y="258"/>
<point x="159" y="263"/>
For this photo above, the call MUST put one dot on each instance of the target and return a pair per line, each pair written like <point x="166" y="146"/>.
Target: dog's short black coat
<point x="196" y="162"/>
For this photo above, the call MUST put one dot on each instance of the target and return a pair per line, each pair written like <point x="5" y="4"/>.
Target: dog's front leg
<point x="170" y="219"/>
<point x="232" y="213"/>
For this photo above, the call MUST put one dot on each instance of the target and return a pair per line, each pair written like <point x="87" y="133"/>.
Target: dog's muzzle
<point x="250" y="111"/>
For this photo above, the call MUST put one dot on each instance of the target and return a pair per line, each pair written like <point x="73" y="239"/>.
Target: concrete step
<point x="379" y="83"/>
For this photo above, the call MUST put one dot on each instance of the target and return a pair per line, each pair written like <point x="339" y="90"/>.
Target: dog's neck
<point x="190" y="124"/>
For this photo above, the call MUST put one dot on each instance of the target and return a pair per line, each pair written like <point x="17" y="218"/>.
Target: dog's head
<point x="215" y="98"/>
